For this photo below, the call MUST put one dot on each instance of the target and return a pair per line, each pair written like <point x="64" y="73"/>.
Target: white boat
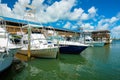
<point x="107" y="40"/>
<point x="70" y="47"/>
<point x="110" y="40"/>
<point x="39" y="46"/>
<point x="65" y="46"/>
<point x="7" y="50"/>
<point x="88" y="40"/>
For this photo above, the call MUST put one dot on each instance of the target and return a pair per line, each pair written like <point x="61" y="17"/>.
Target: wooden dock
<point x="23" y="57"/>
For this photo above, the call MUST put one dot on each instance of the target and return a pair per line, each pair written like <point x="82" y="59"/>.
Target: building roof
<point x="101" y="31"/>
<point x="34" y="24"/>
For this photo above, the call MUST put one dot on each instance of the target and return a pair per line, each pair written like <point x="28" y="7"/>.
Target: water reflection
<point x="67" y="67"/>
<point x="100" y="54"/>
<point x="16" y="67"/>
<point x="95" y="63"/>
<point x="72" y="59"/>
<point x="40" y="69"/>
<point x="71" y="65"/>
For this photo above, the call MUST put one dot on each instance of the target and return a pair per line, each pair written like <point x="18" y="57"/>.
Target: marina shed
<point x="15" y="25"/>
<point x="103" y="35"/>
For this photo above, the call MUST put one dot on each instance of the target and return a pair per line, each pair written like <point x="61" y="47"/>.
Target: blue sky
<point x="70" y="14"/>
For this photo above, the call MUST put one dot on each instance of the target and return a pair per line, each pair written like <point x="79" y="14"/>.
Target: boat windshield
<point x="56" y="38"/>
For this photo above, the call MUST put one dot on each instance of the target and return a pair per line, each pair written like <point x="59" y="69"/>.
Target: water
<point x="95" y="63"/>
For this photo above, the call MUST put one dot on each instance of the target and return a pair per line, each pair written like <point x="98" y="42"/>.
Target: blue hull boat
<point x="72" y="49"/>
<point x="6" y="59"/>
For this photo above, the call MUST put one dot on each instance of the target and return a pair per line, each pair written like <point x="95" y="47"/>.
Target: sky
<point x="69" y="14"/>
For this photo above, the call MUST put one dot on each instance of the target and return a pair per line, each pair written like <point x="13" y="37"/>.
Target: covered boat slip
<point x="21" y="28"/>
<point x="96" y="38"/>
<point x="88" y="40"/>
<point x="16" y="27"/>
<point x="103" y="35"/>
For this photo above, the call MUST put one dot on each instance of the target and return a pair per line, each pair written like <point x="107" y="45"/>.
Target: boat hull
<point x="71" y="49"/>
<point x="6" y="59"/>
<point x="42" y="53"/>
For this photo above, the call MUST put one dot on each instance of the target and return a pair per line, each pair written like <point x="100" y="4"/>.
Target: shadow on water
<point x="72" y="59"/>
<point x="16" y="67"/>
<point x="100" y="54"/>
<point x="39" y="69"/>
<point x="64" y="68"/>
<point x="70" y="66"/>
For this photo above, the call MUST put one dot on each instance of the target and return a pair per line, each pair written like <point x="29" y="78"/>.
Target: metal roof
<point x="33" y="23"/>
<point x="101" y="31"/>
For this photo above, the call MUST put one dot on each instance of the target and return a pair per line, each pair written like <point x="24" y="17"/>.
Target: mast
<point x="28" y="16"/>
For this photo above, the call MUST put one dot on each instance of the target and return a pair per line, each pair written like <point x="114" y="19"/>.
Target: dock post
<point x="29" y="42"/>
<point x="58" y="53"/>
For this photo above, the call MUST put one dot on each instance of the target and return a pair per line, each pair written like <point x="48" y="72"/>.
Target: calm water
<point x="95" y="63"/>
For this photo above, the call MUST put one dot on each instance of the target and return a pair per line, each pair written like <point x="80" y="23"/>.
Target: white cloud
<point x="87" y="26"/>
<point x="79" y="23"/>
<point x="84" y="16"/>
<point x="104" y="27"/>
<point x="74" y="27"/>
<point x="38" y="4"/>
<point x="92" y="10"/>
<point x="116" y="32"/>
<point x="102" y="23"/>
<point x="79" y="14"/>
<point x="67" y="25"/>
<point x="58" y="10"/>
<point x="17" y="12"/>
<point x="106" y="23"/>
<point x="116" y="29"/>
<point x="5" y="10"/>
<point x="76" y="14"/>
<point x="113" y="19"/>
<point x="44" y="13"/>
<point x="19" y="8"/>
<point x="23" y="2"/>
<point x="118" y="15"/>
